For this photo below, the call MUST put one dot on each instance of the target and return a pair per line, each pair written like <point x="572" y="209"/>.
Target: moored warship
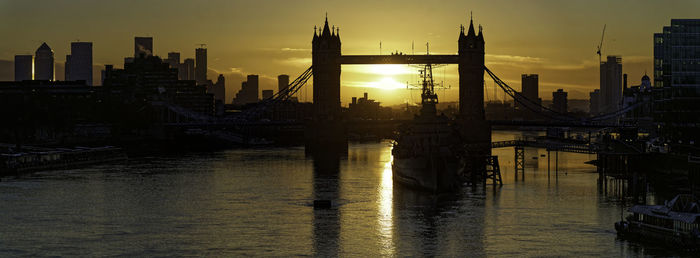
<point x="424" y="152"/>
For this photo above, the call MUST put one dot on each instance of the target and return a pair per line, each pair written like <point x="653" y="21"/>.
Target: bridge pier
<point x="326" y="137"/>
<point x="548" y="161"/>
<point x="519" y="160"/>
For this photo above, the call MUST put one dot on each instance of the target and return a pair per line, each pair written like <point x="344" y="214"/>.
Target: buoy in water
<point x="322" y="204"/>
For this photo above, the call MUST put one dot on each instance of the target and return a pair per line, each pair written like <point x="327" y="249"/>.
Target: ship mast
<point x="428" y="97"/>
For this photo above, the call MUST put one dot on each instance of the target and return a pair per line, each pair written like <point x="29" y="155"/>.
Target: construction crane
<point x="600" y="46"/>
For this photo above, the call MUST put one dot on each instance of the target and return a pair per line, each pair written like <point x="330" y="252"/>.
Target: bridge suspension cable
<point x="526" y="102"/>
<point x="280" y="96"/>
<point x="553" y="114"/>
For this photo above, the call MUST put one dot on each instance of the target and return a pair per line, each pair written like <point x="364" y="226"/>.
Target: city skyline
<point x="275" y="38"/>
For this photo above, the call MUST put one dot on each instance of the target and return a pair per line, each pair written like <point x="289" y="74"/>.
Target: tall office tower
<point x="677" y="77"/>
<point x="220" y="88"/>
<point x="267" y="94"/>
<point x="200" y="74"/>
<point x="249" y="91"/>
<point x="254" y="87"/>
<point x="143" y="45"/>
<point x="676" y="54"/>
<point x="43" y="63"/>
<point x="66" y="69"/>
<point x="173" y="59"/>
<point x="187" y="69"/>
<point x="610" y="84"/>
<point x="594" y="103"/>
<point x="282" y="82"/>
<point x="559" y="101"/>
<point x="80" y="63"/>
<point x="530" y="89"/>
<point x="23" y="67"/>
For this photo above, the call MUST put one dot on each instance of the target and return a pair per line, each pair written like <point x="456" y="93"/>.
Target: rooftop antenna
<point x="380" y="47"/>
<point x="600" y="46"/>
<point x="427" y="48"/>
<point x="413" y="49"/>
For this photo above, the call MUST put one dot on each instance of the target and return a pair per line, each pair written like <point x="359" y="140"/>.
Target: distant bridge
<point x="549" y="144"/>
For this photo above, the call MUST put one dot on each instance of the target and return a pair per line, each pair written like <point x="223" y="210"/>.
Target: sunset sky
<point x="555" y="39"/>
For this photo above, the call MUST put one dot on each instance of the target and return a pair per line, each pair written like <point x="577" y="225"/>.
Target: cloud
<point x="296" y="61"/>
<point x="296" y="49"/>
<point x="235" y="70"/>
<point x="511" y="58"/>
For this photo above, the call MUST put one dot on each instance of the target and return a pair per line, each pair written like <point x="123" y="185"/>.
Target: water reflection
<point x="257" y="202"/>
<point x="385" y="202"/>
<point x="326" y="222"/>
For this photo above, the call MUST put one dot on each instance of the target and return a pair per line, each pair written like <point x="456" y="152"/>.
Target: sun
<point x="389" y="74"/>
<point x="390" y="69"/>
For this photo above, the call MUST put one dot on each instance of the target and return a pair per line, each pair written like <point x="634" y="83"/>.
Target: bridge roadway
<point x="384" y="122"/>
<point x="378" y="127"/>
<point x="398" y="59"/>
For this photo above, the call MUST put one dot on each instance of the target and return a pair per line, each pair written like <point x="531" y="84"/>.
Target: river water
<point x="259" y="202"/>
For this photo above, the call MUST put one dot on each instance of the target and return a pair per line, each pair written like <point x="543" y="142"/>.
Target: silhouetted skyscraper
<point x="249" y="91"/>
<point x="267" y="94"/>
<point x="282" y="82"/>
<point x="187" y="72"/>
<point x="559" y="101"/>
<point x="143" y="45"/>
<point x="253" y="80"/>
<point x="594" y="105"/>
<point x="220" y="88"/>
<point x="173" y="59"/>
<point x="610" y="84"/>
<point x="23" y="67"/>
<point x="43" y="63"/>
<point x="200" y="74"/>
<point x="66" y="69"/>
<point x="79" y="65"/>
<point x="530" y="89"/>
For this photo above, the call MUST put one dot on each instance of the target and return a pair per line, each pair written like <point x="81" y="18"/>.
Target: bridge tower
<point x="326" y="64"/>
<point x="327" y="131"/>
<point x="471" y="74"/>
<point x="474" y="129"/>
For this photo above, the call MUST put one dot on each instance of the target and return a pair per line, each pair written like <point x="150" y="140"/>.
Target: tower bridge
<point x="328" y="124"/>
<point x="327" y="60"/>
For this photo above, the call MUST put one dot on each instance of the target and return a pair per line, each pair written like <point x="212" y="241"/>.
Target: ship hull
<point x="639" y="231"/>
<point x="436" y="174"/>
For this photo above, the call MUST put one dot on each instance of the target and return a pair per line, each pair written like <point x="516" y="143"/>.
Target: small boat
<point x="675" y="223"/>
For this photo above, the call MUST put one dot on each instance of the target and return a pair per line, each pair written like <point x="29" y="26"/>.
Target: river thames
<point x="260" y="202"/>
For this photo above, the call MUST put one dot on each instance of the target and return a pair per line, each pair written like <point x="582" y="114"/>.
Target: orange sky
<point x="555" y="39"/>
